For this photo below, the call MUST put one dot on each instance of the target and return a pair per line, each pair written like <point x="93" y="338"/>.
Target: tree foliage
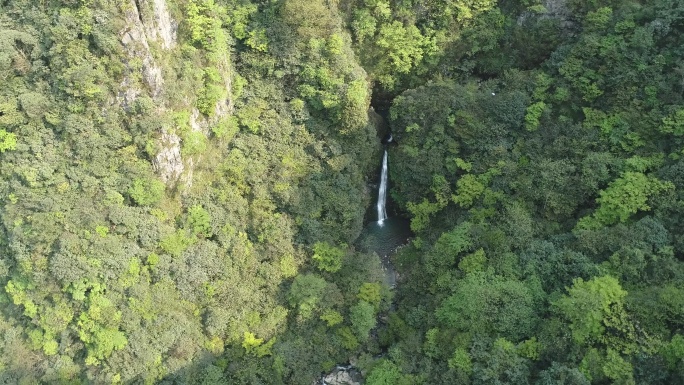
<point x="184" y="183"/>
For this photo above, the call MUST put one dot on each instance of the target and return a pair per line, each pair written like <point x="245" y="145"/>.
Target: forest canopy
<point x="184" y="183"/>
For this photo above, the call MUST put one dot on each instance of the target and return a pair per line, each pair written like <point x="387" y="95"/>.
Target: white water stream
<point x="382" y="192"/>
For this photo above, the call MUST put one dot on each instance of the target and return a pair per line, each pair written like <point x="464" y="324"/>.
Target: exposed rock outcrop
<point x="149" y="21"/>
<point x="342" y="375"/>
<point x="160" y="27"/>
<point x="149" y="25"/>
<point x="135" y="40"/>
<point x="168" y="161"/>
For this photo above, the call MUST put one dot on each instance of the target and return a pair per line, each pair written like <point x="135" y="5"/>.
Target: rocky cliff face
<point x="148" y="22"/>
<point x="149" y="26"/>
<point x="168" y="162"/>
<point x="159" y="26"/>
<point x="136" y="39"/>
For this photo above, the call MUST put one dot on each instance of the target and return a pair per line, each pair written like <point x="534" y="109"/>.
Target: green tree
<point x="461" y="360"/>
<point x="673" y="351"/>
<point x="328" y="258"/>
<point x="401" y="49"/>
<point x="176" y="243"/>
<point x="559" y="374"/>
<point x="198" y="220"/>
<point x="623" y="198"/>
<point x="469" y="188"/>
<point x="450" y="244"/>
<point x="592" y="307"/>
<point x="386" y="372"/>
<point x="364" y="25"/>
<point x="147" y="192"/>
<point x="482" y="303"/>
<point x="8" y="140"/>
<point x="332" y="317"/>
<point x="362" y="317"/>
<point x="499" y="365"/>
<point x="371" y="293"/>
<point x="473" y="262"/>
<point x="306" y="292"/>
<point x="534" y="113"/>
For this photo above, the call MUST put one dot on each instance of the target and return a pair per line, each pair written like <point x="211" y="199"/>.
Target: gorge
<point x="252" y="192"/>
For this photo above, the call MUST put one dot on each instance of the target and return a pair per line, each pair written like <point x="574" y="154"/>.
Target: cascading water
<point x="382" y="192"/>
<point x="384" y="236"/>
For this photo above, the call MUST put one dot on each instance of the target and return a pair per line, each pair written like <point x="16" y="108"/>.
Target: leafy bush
<point x="147" y="192"/>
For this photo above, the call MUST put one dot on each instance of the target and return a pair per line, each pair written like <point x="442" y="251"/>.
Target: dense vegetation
<point x="237" y="269"/>
<point x="183" y="182"/>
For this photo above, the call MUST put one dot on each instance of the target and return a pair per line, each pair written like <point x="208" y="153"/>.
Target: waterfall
<point x="382" y="192"/>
